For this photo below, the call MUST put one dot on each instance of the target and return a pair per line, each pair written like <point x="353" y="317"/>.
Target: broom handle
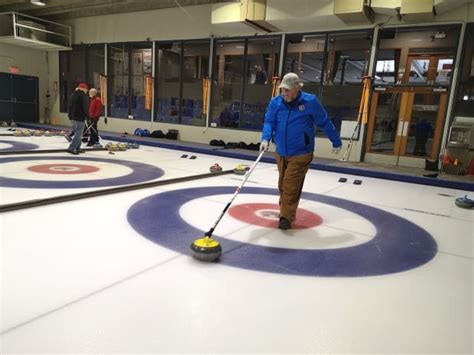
<point x="239" y="188"/>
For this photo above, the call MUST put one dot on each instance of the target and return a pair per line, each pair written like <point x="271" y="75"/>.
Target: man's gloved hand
<point x="336" y="150"/>
<point x="264" y="146"/>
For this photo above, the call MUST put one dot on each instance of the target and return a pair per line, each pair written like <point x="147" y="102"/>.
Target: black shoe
<point x="73" y="152"/>
<point x="81" y="151"/>
<point x="284" y="224"/>
<point x="90" y="144"/>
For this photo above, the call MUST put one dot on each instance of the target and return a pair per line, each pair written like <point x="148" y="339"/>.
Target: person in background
<point x="78" y="110"/>
<point x="95" y="111"/>
<point x="260" y="76"/>
<point x="69" y="135"/>
<point x="290" y="121"/>
<point x="423" y="132"/>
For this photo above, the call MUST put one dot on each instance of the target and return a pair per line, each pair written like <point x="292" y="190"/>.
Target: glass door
<point x="406" y="124"/>
<point x="423" y="124"/>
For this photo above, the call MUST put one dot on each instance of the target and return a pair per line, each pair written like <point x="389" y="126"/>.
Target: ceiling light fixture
<point x="38" y="2"/>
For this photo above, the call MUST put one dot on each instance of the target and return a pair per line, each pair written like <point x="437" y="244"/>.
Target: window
<point x="195" y="83"/>
<point x="347" y="57"/>
<point x="305" y="57"/>
<point x="465" y="94"/>
<point x="346" y="65"/>
<point x="332" y="67"/>
<point x="129" y="66"/>
<point x="242" y="82"/>
<point x="95" y="65"/>
<point x="386" y="67"/>
<point x="227" y="83"/>
<point x="167" y="82"/>
<point x="418" y="56"/>
<point x="118" y="80"/>
<point x="72" y="72"/>
<point x="84" y="63"/>
<point x="140" y="70"/>
<point x="261" y="67"/>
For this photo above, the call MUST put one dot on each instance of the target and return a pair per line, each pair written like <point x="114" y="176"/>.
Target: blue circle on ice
<point x="15" y="146"/>
<point x="397" y="246"/>
<point x="140" y="172"/>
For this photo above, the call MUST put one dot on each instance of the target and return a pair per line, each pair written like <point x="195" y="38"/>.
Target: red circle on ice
<point x="267" y="215"/>
<point x="63" y="169"/>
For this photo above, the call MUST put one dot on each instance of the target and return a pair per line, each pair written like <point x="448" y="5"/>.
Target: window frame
<point x="86" y="67"/>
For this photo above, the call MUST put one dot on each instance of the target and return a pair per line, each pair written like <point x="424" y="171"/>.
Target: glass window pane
<point x="387" y="66"/>
<point x="348" y="57"/>
<point x="465" y="94"/>
<point x="72" y="72"/>
<point x="415" y="53"/>
<point x="422" y="125"/>
<point x="305" y="57"/>
<point x="444" y="70"/>
<point x="261" y="67"/>
<point x="227" y="83"/>
<point x="195" y="76"/>
<point x="386" y="122"/>
<point x="118" y="69"/>
<point x="347" y="63"/>
<point x="95" y="65"/>
<point x="167" y="82"/>
<point x="140" y="69"/>
<point x="419" y="71"/>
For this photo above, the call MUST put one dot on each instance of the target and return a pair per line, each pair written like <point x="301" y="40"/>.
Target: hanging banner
<point x="103" y="89"/>
<point x="275" y="83"/>
<point x="206" y="83"/>
<point x="148" y="91"/>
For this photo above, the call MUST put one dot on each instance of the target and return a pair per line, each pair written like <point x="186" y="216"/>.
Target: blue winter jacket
<point x="291" y="125"/>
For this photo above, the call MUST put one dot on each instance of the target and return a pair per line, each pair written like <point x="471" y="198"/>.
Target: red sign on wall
<point x="14" y="70"/>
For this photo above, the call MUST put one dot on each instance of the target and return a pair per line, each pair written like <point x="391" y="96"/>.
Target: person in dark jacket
<point x="95" y="111"/>
<point x="260" y="76"/>
<point x="290" y="121"/>
<point x="78" y="110"/>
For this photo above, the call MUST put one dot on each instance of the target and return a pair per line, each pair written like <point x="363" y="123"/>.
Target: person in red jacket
<point x="95" y="111"/>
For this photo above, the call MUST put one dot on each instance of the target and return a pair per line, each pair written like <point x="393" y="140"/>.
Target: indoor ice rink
<point x="227" y="177"/>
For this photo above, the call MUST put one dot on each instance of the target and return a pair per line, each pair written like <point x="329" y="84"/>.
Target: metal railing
<point x="35" y="30"/>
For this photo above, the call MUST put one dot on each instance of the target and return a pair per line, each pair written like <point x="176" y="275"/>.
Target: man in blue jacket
<point x="290" y="121"/>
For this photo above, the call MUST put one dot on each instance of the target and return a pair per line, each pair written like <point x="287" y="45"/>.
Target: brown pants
<point x="290" y="183"/>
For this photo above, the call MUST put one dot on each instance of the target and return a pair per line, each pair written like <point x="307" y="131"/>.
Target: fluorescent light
<point x="38" y="2"/>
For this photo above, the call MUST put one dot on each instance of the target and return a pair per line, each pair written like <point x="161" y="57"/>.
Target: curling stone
<point x="216" y="168"/>
<point x="206" y="249"/>
<point x="113" y="147"/>
<point x="465" y="202"/>
<point x="241" y="169"/>
<point x="122" y="146"/>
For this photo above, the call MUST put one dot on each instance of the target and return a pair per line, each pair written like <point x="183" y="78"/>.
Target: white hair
<point x="93" y="91"/>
